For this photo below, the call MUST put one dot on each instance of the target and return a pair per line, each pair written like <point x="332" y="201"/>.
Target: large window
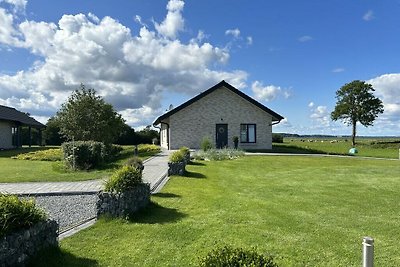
<point x="247" y="133"/>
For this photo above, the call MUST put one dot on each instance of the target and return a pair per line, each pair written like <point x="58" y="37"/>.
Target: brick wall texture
<point x="188" y="126"/>
<point x="5" y="135"/>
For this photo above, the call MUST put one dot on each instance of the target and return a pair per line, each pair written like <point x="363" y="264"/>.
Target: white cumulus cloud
<point x="234" y="32"/>
<point x="369" y="15"/>
<point x="173" y="22"/>
<point x="263" y="92"/>
<point x="387" y="88"/>
<point x="130" y="69"/>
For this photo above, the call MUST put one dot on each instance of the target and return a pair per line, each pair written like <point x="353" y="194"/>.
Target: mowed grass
<point x="379" y="148"/>
<point x="306" y="211"/>
<point x="14" y="170"/>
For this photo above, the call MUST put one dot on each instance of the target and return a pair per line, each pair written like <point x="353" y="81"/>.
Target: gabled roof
<point x="11" y="114"/>
<point x="275" y="116"/>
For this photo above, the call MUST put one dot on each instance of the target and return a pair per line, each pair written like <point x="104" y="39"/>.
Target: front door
<point x="222" y="135"/>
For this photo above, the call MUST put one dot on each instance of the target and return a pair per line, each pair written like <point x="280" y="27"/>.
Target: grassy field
<point x="380" y="148"/>
<point x="306" y="211"/>
<point x="13" y="170"/>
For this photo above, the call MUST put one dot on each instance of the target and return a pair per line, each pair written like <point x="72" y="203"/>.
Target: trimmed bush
<point x="124" y="179"/>
<point x="206" y="144"/>
<point x="54" y="154"/>
<point x="111" y="151"/>
<point x="17" y="214"/>
<point x="84" y="155"/>
<point x="277" y="138"/>
<point x="234" y="257"/>
<point x="186" y="153"/>
<point x="177" y="156"/>
<point x="135" y="162"/>
<point x="148" y="148"/>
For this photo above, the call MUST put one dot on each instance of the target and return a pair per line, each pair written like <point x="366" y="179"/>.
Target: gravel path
<point x="68" y="210"/>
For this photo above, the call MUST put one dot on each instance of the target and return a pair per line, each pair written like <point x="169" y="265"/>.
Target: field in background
<point x="367" y="147"/>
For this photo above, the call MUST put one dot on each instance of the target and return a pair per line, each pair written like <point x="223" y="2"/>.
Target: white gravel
<point x="68" y="210"/>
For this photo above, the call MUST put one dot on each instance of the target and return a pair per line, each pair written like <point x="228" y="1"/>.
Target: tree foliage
<point x="356" y="103"/>
<point x="86" y="116"/>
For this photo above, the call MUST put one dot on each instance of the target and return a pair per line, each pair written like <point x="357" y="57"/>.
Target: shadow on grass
<point x="196" y="175"/>
<point x="155" y="213"/>
<point x="55" y="256"/>
<point x="288" y="149"/>
<point x="196" y="163"/>
<point x="166" y="195"/>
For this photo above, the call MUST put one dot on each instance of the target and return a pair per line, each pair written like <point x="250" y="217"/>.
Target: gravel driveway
<point x="68" y="210"/>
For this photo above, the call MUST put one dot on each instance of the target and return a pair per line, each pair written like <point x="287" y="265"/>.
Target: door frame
<point x="217" y="126"/>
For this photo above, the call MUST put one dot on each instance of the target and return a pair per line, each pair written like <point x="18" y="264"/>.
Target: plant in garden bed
<point x="235" y="140"/>
<point x="186" y="153"/>
<point x="54" y="154"/>
<point x="206" y="144"/>
<point x="232" y="257"/>
<point x="135" y="162"/>
<point x="177" y="163"/>
<point x="124" y="179"/>
<point x="176" y="156"/>
<point x="16" y="214"/>
<point x="219" y="154"/>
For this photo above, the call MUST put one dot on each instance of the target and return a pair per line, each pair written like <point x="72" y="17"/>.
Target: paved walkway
<point x="155" y="173"/>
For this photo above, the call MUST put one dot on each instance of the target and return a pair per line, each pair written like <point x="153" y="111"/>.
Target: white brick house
<point x="220" y="113"/>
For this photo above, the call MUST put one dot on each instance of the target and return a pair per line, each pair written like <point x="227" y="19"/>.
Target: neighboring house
<point x="11" y="121"/>
<point x="220" y="113"/>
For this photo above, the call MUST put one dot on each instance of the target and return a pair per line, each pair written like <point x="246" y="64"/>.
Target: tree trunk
<point x="353" y="136"/>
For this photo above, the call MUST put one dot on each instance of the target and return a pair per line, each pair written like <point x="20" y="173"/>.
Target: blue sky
<point x="142" y="55"/>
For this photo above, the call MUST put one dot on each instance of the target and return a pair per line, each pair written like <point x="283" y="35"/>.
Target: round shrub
<point x="124" y="179"/>
<point x="234" y="257"/>
<point x="176" y="156"/>
<point x="135" y="162"/>
<point x="185" y="150"/>
<point x="206" y="144"/>
<point x="16" y="214"/>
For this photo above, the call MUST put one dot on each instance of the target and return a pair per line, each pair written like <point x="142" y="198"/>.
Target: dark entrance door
<point x="222" y="135"/>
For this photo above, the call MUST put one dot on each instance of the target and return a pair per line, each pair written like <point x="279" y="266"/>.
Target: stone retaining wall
<point x="18" y="247"/>
<point x="177" y="168"/>
<point x="123" y="204"/>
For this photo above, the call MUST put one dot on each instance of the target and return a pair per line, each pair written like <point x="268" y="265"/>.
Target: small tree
<point x="86" y="116"/>
<point x="356" y="103"/>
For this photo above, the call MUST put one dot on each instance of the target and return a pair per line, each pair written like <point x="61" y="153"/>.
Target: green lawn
<point x="306" y="211"/>
<point x="13" y="170"/>
<point x="380" y="148"/>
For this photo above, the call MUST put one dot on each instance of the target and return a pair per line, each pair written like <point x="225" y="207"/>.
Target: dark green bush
<point x="84" y="155"/>
<point x="277" y="138"/>
<point x="235" y="257"/>
<point x="17" y="214"/>
<point x="176" y="156"/>
<point x="124" y="179"/>
<point x="206" y="144"/>
<point x="111" y="151"/>
<point x="135" y="162"/>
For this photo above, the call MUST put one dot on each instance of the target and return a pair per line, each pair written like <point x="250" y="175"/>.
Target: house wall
<point x="5" y="135"/>
<point x="189" y="125"/>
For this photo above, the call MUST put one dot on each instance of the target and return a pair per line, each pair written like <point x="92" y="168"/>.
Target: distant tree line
<point x="128" y="135"/>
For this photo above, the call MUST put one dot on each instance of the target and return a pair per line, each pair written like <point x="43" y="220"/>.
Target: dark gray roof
<point x="11" y="114"/>
<point x="275" y="116"/>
